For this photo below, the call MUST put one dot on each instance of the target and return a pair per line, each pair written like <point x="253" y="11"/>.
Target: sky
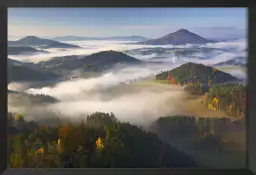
<point x="147" y="22"/>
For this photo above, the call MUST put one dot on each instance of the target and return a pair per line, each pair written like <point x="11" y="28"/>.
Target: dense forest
<point x="24" y="73"/>
<point x="196" y="73"/>
<point x="100" y="141"/>
<point x="190" y="125"/>
<point x="231" y="98"/>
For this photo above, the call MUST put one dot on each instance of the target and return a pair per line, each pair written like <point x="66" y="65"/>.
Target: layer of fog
<point x="106" y="93"/>
<point x="68" y="89"/>
<point x="93" y="46"/>
<point x="231" y="50"/>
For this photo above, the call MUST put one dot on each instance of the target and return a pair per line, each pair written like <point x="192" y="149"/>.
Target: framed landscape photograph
<point x="127" y="88"/>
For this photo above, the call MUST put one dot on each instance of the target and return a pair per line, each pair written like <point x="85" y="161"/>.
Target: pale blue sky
<point x="148" y="22"/>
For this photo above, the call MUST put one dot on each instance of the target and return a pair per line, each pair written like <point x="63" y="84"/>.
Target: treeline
<point x="35" y="97"/>
<point x="99" y="141"/>
<point x="177" y="126"/>
<point x="26" y="73"/>
<point x="202" y="133"/>
<point x="231" y="98"/>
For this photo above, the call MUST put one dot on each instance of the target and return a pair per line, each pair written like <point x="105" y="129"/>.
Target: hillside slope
<point x="179" y="37"/>
<point x="192" y="72"/>
<point x="23" y="73"/>
<point x="94" y="62"/>
<point x="36" y="41"/>
<point x="14" y="50"/>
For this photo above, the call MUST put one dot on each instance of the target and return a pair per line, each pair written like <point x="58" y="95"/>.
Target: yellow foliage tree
<point x="59" y="146"/>
<point x="215" y="102"/>
<point x="211" y="107"/>
<point x="173" y="80"/>
<point x="99" y="144"/>
<point x="18" y="117"/>
<point x="16" y="160"/>
<point x="40" y="151"/>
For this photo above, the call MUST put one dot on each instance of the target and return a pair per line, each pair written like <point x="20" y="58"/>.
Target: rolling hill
<point x="30" y="41"/>
<point x="35" y="41"/>
<point x="20" y="72"/>
<point x="56" y="44"/>
<point x="179" y="37"/>
<point x="95" y="62"/>
<point x="14" y="50"/>
<point x="193" y="72"/>
<point x="110" y="58"/>
<point x="238" y="61"/>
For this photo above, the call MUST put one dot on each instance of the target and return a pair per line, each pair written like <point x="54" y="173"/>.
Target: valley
<point x="182" y="93"/>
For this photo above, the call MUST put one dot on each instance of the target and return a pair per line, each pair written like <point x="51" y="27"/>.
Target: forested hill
<point x="197" y="73"/>
<point x="95" y="62"/>
<point x="100" y="142"/>
<point x="24" y="73"/>
<point x="12" y="50"/>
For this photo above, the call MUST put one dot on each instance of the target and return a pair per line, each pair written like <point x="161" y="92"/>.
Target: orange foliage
<point x="99" y="144"/>
<point x="64" y="131"/>
<point x="60" y="146"/>
<point x="173" y="80"/>
<point x="73" y="137"/>
<point x="40" y="151"/>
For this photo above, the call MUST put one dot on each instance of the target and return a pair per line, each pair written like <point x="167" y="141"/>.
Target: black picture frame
<point x="251" y="120"/>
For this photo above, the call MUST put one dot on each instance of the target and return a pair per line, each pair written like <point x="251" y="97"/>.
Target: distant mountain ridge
<point x="14" y="50"/>
<point x="57" y="44"/>
<point x="180" y="37"/>
<point x="36" y="41"/>
<point x="81" y="38"/>
<point x="238" y="61"/>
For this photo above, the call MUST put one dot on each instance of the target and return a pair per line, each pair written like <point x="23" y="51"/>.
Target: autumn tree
<point x="173" y="80"/>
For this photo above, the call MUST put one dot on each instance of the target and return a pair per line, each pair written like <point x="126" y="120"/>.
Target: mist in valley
<point x="127" y="91"/>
